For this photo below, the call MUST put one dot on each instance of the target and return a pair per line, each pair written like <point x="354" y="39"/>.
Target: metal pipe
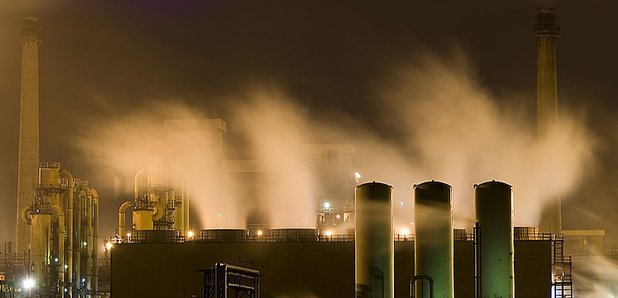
<point x="59" y="218"/>
<point x="494" y="215"/>
<point x="69" y="226"/>
<point x="374" y="245"/>
<point x="421" y="277"/>
<point x="122" y="213"/>
<point x="78" y="239"/>
<point x="89" y="240"/>
<point x="95" y="254"/>
<point x="433" y="236"/>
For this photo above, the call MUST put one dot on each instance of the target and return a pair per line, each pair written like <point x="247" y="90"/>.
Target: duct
<point x="89" y="238"/>
<point x="494" y="216"/>
<point x="374" y="245"/>
<point x="59" y="218"/>
<point x="25" y="215"/>
<point x="122" y="211"/>
<point x="433" y="242"/>
<point x="69" y="227"/>
<point x="95" y="250"/>
<point x="78" y="236"/>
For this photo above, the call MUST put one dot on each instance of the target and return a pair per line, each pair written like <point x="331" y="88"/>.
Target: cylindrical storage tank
<point x="142" y="220"/>
<point x="40" y="247"/>
<point x="526" y="233"/>
<point x="494" y="216"/>
<point x="433" y="242"/>
<point x="374" y="243"/>
<point x="49" y="175"/>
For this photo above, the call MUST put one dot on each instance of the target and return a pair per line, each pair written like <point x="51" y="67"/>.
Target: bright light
<point x="85" y="243"/>
<point x="357" y="175"/>
<point x="56" y="260"/>
<point x="28" y="283"/>
<point x="66" y="266"/>
<point x="108" y="245"/>
<point x="404" y="231"/>
<point x="401" y="203"/>
<point x="259" y="232"/>
<point x="338" y="216"/>
<point x="328" y="233"/>
<point x="327" y="205"/>
<point x="128" y="235"/>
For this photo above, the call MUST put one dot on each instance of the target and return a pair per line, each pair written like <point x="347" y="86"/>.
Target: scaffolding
<point x="226" y="281"/>
<point x="561" y="268"/>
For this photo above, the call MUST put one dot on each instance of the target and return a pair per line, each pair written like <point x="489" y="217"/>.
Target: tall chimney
<point x="28" y="163"/>
<point x="546" y="32"/>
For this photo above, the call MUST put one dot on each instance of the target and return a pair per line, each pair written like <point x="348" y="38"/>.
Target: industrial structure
<point x="433" y="231"/>
<point x="546" y="32"/>
<point x="374" y="249"/>
<point x="57" y="214"/>
<point x="28" y="126"/>
<point x="63" y="220"/>
<point x="493" y="259"/>
<point x="155" y="206"/>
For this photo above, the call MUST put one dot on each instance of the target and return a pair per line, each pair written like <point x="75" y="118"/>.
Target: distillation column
<point x="28" y="163"/>
<point x="546" y="32"/>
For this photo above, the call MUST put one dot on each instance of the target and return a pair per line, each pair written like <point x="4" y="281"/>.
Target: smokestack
<point x="374" y="248"/>
<point x="546" y="32"/>
<point x="433" y="232"/>
<point x="28" y="164"/>
<point x="493" y="205"/>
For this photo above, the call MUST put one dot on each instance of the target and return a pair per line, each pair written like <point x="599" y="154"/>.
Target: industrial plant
<point x="349" y="248"/>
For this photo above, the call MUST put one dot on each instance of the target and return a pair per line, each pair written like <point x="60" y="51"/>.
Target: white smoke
<point x="595" y="276"/>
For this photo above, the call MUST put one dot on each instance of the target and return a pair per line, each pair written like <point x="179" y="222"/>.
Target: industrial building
<point x="155" y="252"/>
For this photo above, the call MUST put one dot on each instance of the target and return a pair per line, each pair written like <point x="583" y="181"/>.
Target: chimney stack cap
<point x="546" y="23"/>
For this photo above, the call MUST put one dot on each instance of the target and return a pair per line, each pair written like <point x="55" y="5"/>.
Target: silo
<point x="494" y="216"/>
<point x="433" y="243"/>
<point x="374" y="244"/>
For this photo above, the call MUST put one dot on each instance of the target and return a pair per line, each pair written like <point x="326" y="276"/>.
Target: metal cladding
<point x="374" y="245"/>
<point x="28" y="126"/>
<point x="433" y="230"/>
<point x="546" y="32"/>
<point x="494" y="216"/>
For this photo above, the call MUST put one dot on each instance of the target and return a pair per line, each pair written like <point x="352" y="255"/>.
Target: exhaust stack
<point x="374" y="248"/>
<point x="546" y="32"/>
<point x="433" y="232"/>
<point x="28" y="164"/>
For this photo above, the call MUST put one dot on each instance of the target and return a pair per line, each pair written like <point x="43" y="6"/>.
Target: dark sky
<point x="100" y="57"/>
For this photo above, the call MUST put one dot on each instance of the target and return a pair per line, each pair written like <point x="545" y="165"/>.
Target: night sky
<point x="103" y="58"/>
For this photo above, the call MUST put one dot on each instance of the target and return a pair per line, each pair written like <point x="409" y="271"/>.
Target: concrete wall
<point x="299" y="269"/>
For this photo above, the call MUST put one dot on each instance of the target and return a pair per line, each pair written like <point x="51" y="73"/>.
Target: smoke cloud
<point x="455" y="131"/>
<point x="595" y="276"/>
<point x="440" y="123"/>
